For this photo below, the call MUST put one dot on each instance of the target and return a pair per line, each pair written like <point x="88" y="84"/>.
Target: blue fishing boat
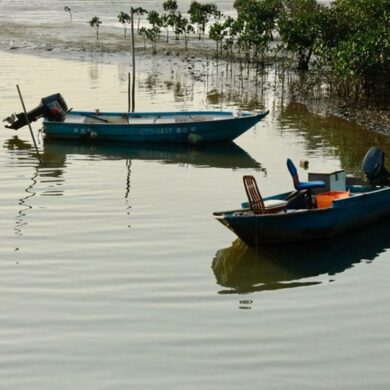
<point x="311" y="211"/>
<point x="192" y="127"/>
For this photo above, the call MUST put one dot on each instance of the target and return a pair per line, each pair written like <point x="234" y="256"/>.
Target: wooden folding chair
<point x="256" y="202"/>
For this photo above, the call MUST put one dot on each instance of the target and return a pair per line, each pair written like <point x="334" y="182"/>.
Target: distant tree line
<point x="346" y="43"/>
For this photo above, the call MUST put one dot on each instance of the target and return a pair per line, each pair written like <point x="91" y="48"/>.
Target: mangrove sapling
<point x="142" y="31"/>
<point x="95" y="22"/>
<point x="200" y="14"/>
<point x="299" y="27"/>
<point x="355" y="50"/>
<point x="217" y="33"/>
<point x="169" y="18"/>
<point x="139" y="11"/>
<point x="188" y="29"/>
<point x="151" y="34"/>
<point x="154" y="32"/>
<point x="67" y="9"/>
<point x="124" y="18"/>
<point x="184" y="27"/>
<point x="256" y="21"/>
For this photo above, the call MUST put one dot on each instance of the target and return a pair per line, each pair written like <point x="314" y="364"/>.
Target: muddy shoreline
<point x="372" y="118"/>
<point x="68" y="40"/>
<point x="73" y="41"/>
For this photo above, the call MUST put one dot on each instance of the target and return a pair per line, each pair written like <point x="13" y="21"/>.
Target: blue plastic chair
<point x="303" y="185"/>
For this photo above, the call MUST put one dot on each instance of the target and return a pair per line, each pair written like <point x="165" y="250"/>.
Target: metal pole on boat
<point x="133" y="49"/>
<point x="29" y="123"/>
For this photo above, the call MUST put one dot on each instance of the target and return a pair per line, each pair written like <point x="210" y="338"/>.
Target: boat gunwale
<point x="125" y="115"/>
<point x="337" y="204"/>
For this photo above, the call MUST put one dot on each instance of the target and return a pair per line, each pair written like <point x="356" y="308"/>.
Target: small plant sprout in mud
<point x="96" y="22"/>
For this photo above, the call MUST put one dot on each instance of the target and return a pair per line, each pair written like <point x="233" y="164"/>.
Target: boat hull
<point x="189" y="131"/>
<point x="302" y="225"/>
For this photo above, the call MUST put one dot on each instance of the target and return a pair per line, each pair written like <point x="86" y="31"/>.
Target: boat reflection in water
<point x="48" y="176"/>
<point x="54" y="153"/>
<point x="227" y="155"/>
<point x="241" y="269"/>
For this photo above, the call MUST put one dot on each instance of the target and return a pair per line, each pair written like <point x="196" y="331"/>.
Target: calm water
<point x="114" y="274"/>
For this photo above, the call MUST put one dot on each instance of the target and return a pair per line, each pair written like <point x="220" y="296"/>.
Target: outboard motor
<point x="374" y="167"/>
<point x="52" y="108"/>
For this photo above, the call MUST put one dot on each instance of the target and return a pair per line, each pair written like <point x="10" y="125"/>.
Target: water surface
<point x="113" y="273"/>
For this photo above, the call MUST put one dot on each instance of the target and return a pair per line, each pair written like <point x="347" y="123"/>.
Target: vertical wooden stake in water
<point x="128" y="91"/>
<point x="133" y="49"/>
<point x="29" y="124"/>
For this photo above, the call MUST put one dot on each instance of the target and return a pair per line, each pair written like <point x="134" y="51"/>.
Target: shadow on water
<point x="229" y="156"/>
<point x="241" y="269"/>
<point x="49" y="174"/>
<point x="24" y="151"/>
<point x="55" y="153"/>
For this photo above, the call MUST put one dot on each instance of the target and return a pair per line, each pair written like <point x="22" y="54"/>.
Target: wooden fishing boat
<point x="294" y="216"/>
<point x="162" y="127"/>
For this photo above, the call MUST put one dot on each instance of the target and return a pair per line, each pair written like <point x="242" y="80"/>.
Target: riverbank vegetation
<point x="345" y="45"/>
<point x="333" y="57"/>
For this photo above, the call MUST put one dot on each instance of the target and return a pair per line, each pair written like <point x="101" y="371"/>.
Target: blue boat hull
<point x="216" y="130"/>
<point x="359" y="209"/>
